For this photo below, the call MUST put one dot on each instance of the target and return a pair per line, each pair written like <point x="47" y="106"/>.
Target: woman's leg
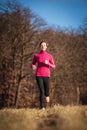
<point x="46" y="81"/>
<point x="41" y="88"/>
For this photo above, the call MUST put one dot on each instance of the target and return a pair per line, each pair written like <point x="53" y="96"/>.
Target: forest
<point x="21" y="31"/>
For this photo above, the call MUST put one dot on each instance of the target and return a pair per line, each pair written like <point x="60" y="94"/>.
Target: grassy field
<point x="56" y="118"/>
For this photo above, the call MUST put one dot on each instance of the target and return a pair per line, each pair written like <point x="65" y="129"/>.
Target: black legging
<point x="43" y="84"/>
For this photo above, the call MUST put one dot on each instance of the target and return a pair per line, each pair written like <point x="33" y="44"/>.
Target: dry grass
<point x="56" y="118"/>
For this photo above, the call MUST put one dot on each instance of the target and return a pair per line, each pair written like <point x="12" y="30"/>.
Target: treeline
<point x="20" y="34"/>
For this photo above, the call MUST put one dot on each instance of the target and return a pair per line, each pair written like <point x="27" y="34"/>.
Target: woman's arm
<point x="33" y="64"/>
<point x="50" y="63"/>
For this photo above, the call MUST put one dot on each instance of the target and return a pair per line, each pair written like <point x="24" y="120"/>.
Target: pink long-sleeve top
<point x="42" y="68"/>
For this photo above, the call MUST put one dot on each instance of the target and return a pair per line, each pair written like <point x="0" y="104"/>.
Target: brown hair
<point x="42" y="42"/>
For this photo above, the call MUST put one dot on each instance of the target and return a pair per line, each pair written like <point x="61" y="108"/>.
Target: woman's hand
<point x="46" y="62"/>
<point x="34" y="67"/>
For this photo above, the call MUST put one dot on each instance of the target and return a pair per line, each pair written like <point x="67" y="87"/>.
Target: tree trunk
<point x="78" y="95"/>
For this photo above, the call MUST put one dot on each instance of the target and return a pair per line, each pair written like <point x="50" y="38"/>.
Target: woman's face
<point x="43" y="46"/>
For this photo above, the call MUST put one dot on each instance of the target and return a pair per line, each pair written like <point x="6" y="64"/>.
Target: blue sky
<point x="63" y="13"/>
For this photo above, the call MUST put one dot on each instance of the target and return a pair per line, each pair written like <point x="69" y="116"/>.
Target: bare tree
<point x="20" y="29"/>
